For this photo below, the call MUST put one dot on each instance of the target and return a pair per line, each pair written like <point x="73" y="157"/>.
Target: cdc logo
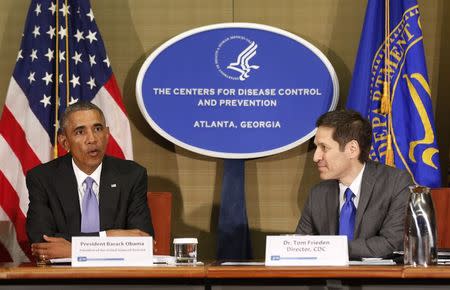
<point x="233" y="57"/>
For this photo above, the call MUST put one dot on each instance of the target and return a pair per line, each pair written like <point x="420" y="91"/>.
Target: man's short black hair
<point x="78" y="106"/>
<point x="349" y="125"/>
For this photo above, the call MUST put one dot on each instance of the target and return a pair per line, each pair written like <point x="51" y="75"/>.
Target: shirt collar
<point x="81" y="176"/>
<point x="355" y="187"/>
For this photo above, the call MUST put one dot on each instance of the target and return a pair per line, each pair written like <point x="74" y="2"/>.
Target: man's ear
<point x="107" y="132"/>
<point x="62" y="140"/>
<point x="353" y="149"/>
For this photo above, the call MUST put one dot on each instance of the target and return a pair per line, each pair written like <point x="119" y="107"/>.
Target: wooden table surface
<point x="215" y="271"/>
<point x="29" y="271"/>
<point x="242" y="272"/>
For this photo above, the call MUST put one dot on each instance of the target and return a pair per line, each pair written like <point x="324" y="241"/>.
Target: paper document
<point x="61" y="261"/>
<point x="157" y="259"/>
<point x="242" y="264"/>
<point x="372" y="261"/>
<point x="164" y="260"/>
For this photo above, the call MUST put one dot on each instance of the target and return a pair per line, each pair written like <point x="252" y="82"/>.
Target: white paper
<point x="157" y="260"/>
<point x="296" y="250"/>
<point x="163" y="260"/>
<point x="112" y="251"/>
<point x="242" y="264"/>
<point x="374" y="262"/>
<point x="61" y="261"/>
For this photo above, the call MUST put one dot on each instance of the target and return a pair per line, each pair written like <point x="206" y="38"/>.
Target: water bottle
<point x="420" y="229"/>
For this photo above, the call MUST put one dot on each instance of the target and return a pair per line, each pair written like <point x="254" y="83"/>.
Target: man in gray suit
<point x="362" y="199"/>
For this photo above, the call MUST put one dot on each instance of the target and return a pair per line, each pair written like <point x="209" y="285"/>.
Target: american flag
<point x="61" y="60"/>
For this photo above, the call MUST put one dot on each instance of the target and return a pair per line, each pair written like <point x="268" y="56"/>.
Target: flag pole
<point x="385" y="101"/>
<point x="386" y="98"/>
<point x="66" y="14"/>
<point x="55" y="146"/>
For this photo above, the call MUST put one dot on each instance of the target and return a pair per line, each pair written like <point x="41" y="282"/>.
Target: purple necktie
<point x="90" y="221"/>
<point x="347" y="217"/>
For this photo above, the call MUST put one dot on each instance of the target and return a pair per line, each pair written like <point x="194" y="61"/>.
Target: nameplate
<point x="295" y="250"/>
<point x="112" y="251"/>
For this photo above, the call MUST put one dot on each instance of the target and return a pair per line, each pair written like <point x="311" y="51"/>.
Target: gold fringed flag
<point x="390" y="86"/>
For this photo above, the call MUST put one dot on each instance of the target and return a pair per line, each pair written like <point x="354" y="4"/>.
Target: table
<point x="216" y="277"/>
<point x="350" y="277"/>
<point x="30" y="277"/>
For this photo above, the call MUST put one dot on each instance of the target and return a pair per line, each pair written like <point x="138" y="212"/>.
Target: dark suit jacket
<point x="54" y="207"/>
<point x="380" y="216"/>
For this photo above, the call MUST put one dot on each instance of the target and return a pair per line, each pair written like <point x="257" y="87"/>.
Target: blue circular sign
<point x="236" y="90"/>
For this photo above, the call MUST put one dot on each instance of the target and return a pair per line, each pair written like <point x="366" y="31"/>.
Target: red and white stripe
<point x="109" y="100"/>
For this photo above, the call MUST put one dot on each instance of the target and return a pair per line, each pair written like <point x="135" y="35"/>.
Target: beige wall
<point x="275" y="186"/>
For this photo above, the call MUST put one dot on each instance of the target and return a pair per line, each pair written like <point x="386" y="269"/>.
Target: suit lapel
<point x="108" y="194"/>
<point x="332" y="200"/>
<point x="367" y="184"/>
<point x="67" y="191"/>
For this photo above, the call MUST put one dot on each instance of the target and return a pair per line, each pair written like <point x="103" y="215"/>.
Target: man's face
<point x="332" y="163"/>
<point x="85" y="135"/>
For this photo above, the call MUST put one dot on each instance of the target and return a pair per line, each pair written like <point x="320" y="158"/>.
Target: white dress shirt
<point x="81" y="177"/>
<point x="355" y="187"/>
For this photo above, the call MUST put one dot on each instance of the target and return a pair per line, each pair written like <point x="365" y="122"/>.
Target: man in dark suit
<point x="359" y="198"/>
<point x="84" y="193"/>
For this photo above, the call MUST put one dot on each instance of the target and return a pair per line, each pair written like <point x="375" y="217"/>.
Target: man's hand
<point x="126" y="233"/>
<point x="51" y="248"/>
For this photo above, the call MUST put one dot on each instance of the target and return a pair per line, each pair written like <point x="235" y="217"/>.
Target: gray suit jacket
<point x="380" y="215"/>
<point x="54" y="207"/>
